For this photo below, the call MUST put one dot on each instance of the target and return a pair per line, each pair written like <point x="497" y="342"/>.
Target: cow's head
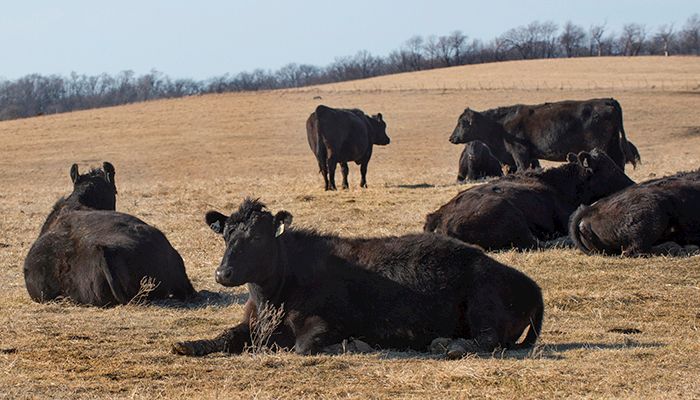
<point x="378" y="131"/>
<point x="601" y="175"/>
<point x="95" y="189"/>
<point x="471" y="125"/>
<point x="251" y="235"/>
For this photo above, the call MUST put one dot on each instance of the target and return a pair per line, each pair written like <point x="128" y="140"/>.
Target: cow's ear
<point x="108" y="168"/>
<point x="571" y="157"/>
<point x="74" y="172"/>
<point x="216" y="221"/>
<point x="282" y="220"/>
<point x="379" y="117"/>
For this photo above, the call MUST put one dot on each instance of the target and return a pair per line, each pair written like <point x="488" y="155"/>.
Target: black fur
<point x="521" y="210"/>
<point x="392" y="292"/>
<point x="338" y="135"/>
<point x="635" y="220"/>
<point x="91" y="254"/>
<point x="521" y="134"/>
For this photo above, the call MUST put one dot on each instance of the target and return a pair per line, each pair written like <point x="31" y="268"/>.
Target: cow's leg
<point x="344" y="170"/>
<point x="324" y="171"/>
<point x="485" y="325"/>
<point x="363" y="174"/>
<point x="313" y="335"/>
<point x="232" y="340"/>
<point x="331" y="162"/>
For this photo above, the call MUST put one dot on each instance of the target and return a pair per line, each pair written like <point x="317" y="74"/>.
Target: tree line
<point x="37" y="94"/>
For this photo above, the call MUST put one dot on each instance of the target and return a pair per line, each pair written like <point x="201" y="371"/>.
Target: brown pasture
<point x="176" y="159"/>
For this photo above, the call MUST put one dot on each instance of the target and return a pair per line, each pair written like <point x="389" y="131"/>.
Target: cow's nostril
<point x="222" y="275"/>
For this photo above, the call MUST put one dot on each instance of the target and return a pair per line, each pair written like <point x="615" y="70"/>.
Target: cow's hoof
<point x="361" y="347"/>
<point x="457" y="349"/>
<point x="439" y="345"/>
<point x="184" y="349"/>
<point x="691" y="249"/>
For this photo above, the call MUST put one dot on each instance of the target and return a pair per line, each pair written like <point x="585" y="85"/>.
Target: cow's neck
<point x="271" y="290"/>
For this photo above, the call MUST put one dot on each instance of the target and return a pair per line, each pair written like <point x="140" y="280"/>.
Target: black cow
<point x="519" y="135"/>
<point x="93" y="255"/>
<point x="522" y="210"/>
<point x="342" y="135"/>
<point x="655" y="217"/>
<point x="393" y="292"/>
<point x="478" y="162"/>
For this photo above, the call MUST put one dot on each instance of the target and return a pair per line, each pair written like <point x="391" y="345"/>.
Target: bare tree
<point x="458" y="43"/>
<point x="596" y="32"/>
<point x="632" y="39"/>
<point x="571" y="38"/>
<point x="665" y="36"/>
<point x="690" y="35"/>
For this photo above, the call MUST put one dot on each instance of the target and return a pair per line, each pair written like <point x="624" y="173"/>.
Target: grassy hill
<point x="176" y="159"/>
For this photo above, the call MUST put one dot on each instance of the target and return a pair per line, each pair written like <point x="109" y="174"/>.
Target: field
<point x="177" y="159"/>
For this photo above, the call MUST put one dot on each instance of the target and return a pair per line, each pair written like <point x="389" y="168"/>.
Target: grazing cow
<point x="643" y="219"/>
<point x="477" y="162"/>
<point x="521" y="210"/>
<point x="393" y="292"/>
<point x="341" y="135"/>
<point x="93" y="255"/>
<point x="519" y="135"/>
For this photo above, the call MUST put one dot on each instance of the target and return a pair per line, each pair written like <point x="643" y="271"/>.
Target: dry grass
<point x="177" y="159"/>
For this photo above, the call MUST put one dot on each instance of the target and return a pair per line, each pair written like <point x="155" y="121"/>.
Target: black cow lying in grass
<point x="393" y="292"/>
<point x="93" y="255"/>
<point x="525" y="209"/>
<point x="661" y="216"/>
<point x="477" y="162"/>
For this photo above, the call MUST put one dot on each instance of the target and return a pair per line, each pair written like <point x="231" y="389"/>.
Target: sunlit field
<point x="613" y="327"/>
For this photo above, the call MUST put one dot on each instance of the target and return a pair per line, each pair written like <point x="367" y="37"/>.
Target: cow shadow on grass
<point x="540" y="352"/>
<point x="204" y="299"/>
<point x="412" y="186"/>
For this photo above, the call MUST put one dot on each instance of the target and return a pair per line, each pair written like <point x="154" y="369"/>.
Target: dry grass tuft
<point x="146" y="286"/>
<point x="177" y="159"/>
<point x="268" y="320"/>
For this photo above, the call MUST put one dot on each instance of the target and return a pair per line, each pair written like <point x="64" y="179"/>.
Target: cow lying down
<point x="93" y="255"/>
<point x="526" y="209"/>
<point x="392" y="292"/>
<point x="661" y="216"/>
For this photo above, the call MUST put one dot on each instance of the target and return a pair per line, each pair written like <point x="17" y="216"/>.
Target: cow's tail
<point x="431" y="222"/>
<point x="628" y="150"/>
<point x="320" y="150"/>
<point x="533" y="333"/>
<point x="581" y="233"/>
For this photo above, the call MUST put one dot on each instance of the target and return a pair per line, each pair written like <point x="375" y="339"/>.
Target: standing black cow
<point x="660" y="216"/>
<point x="522" y="210"/>
<point x="342" y="135"/>
<point x="478" y="162"/>
<point x="548" y="131"/>
<point x="394" y="292"/>
<point x="93" y="255"/>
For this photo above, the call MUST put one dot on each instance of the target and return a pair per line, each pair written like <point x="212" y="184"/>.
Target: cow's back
<point x="134" y="250"/>
<point x="343" y="133"/>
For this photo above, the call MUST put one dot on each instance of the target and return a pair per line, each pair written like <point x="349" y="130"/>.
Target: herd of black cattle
<point x="405" y="292"/>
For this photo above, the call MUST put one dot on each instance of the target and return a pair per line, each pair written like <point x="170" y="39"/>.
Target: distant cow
<point x="393" y="292"/>
<point x="342" y="135"/>
<point x="478" y="162"/>
<point x="522" y="210"/>
<point x="642" y="219"/>
<point x="93" y="255"/>
<point x="519" y="135"/>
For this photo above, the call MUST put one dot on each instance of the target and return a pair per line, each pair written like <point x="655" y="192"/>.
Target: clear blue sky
<point x="201" y="39"/>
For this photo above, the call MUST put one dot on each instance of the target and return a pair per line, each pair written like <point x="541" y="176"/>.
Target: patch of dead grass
<point x="176" y="159"/>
